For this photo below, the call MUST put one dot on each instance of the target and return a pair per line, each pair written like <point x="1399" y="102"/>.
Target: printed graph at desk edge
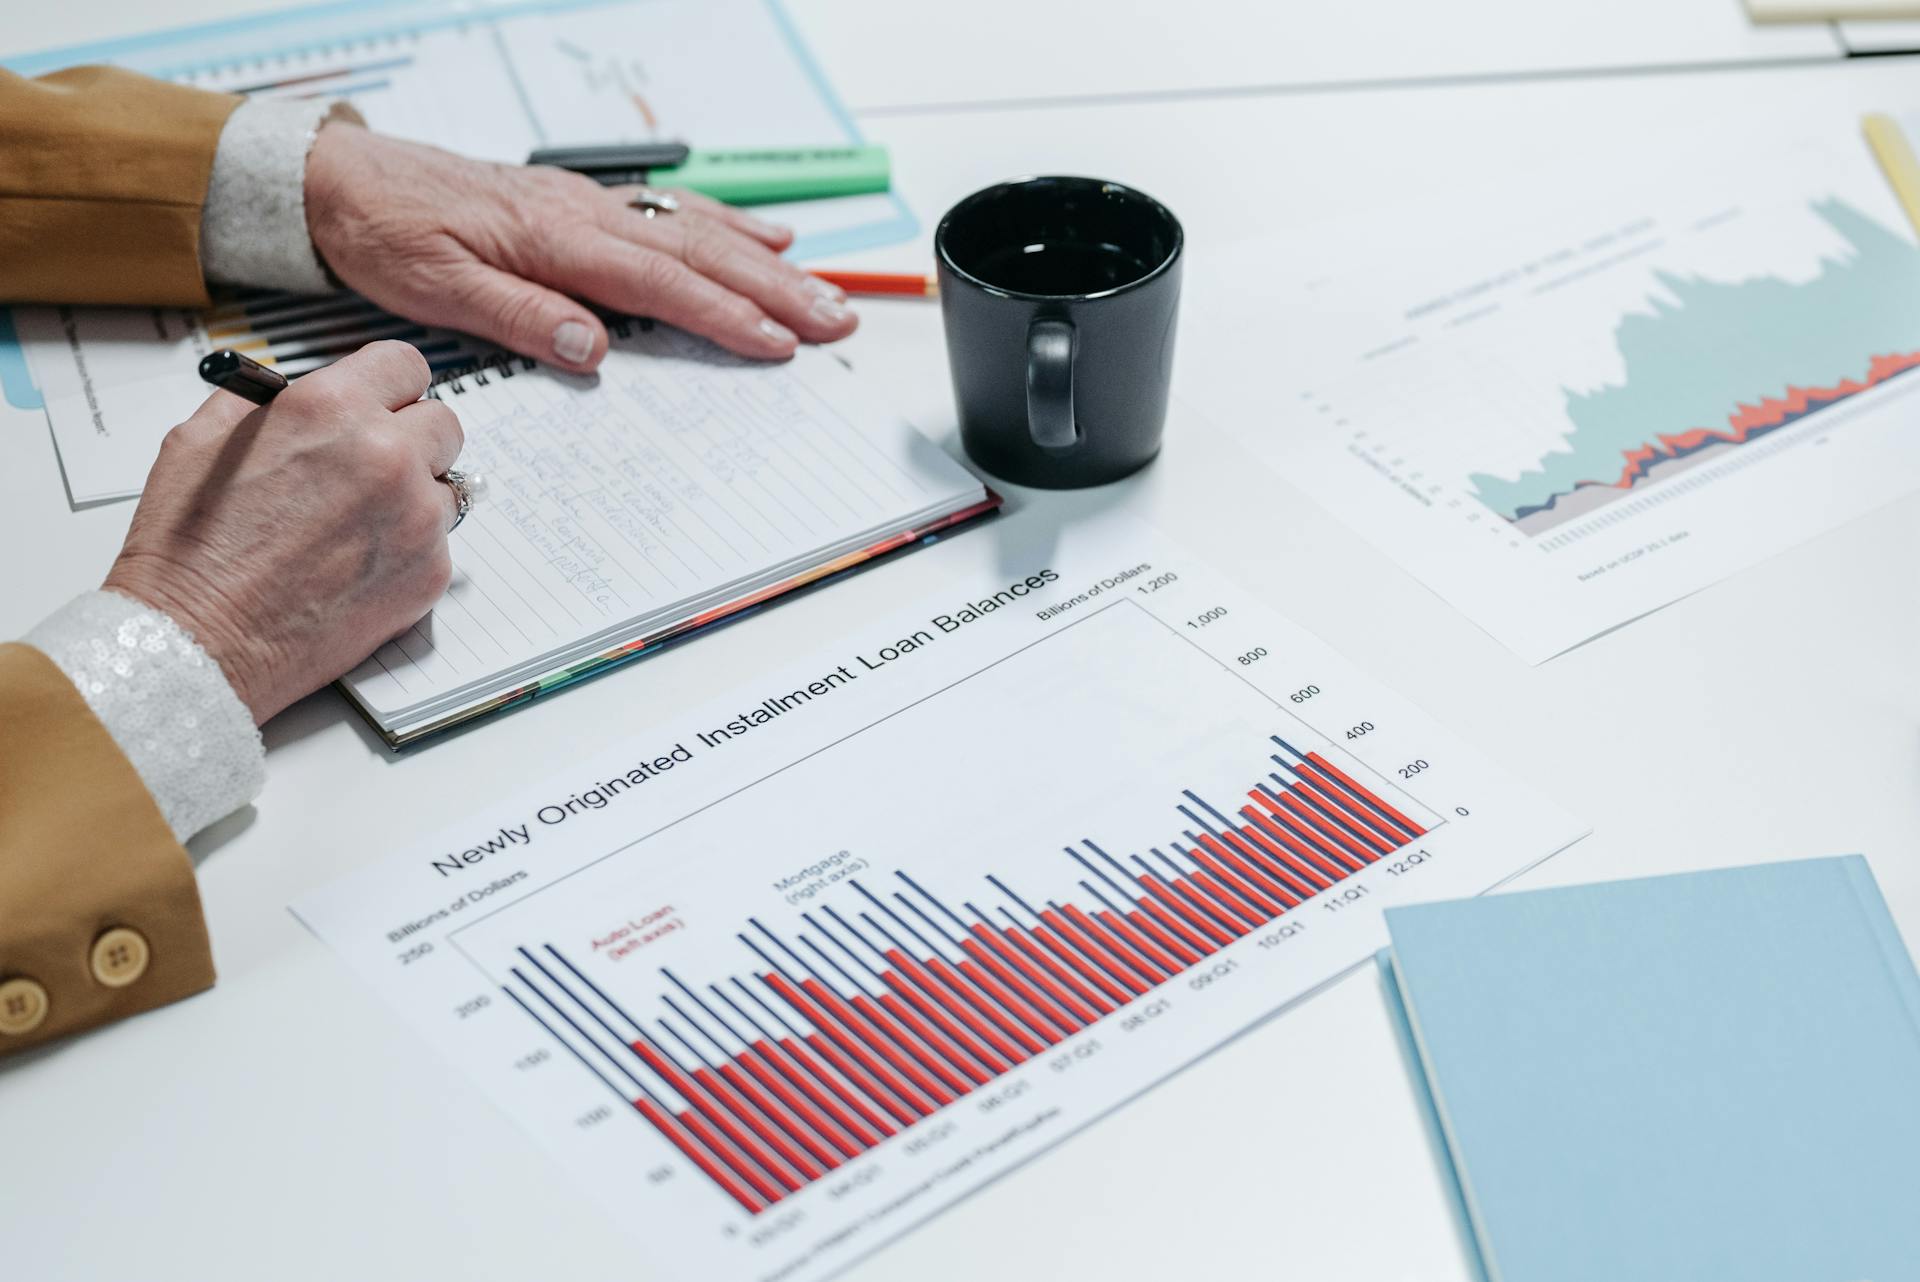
<point x="1577" y="416"/>
<point x="1743" y="358"/>
<point x="867" y="963"/>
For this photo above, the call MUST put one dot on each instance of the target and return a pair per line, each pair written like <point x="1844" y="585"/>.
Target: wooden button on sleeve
<point x="120" y="956"/>
<point x="98" y="903"/>
<point x="23" y="1006"/>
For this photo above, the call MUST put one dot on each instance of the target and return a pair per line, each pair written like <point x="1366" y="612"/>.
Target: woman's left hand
<point x="506" y="251"/>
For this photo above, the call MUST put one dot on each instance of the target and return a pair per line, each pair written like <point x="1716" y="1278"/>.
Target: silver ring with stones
<point x="654" y="203"/>
<point x="465" y="490"/>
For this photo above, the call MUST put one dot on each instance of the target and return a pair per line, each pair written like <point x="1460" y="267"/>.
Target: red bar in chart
<point x="857" y="1024"/>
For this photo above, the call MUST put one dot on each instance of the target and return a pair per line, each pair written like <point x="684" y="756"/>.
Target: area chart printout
<point x="1608" y="408"/>
<point x="778" y="980"/>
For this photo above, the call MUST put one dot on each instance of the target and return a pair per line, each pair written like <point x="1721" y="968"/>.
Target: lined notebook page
<point x="649" y="492"/>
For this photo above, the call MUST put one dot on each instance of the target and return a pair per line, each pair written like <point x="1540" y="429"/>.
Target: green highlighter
<point x="745" y="176"/>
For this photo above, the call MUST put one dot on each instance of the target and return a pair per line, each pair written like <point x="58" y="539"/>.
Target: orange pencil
<point x="884" y="283"/>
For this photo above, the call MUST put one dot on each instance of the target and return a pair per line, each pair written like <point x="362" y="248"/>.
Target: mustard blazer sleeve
<point x="102" y="177"/>
<point x="99" y="913"/>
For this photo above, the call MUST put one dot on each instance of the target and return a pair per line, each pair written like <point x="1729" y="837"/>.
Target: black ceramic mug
<point x="1059" y="296"/>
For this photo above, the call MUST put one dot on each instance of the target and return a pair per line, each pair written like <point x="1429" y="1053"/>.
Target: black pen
<point x="616" y="165"/>
<point x="230" y="371"/>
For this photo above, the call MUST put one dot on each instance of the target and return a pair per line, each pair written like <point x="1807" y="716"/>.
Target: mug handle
<point x="1050" y="384"/>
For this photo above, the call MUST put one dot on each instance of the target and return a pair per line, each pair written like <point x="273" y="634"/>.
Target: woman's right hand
<point x="292" y="540"/>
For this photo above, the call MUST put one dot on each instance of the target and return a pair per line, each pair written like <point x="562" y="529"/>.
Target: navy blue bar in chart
<point x="876" y="1012"/>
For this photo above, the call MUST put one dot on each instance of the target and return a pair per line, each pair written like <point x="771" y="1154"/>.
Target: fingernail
<point x="777" y="332"/>
<point x="829" y="311"/>
<point x="761" y="227"/>
<point x="826" y="289"/>
<point x="572" y="342"/>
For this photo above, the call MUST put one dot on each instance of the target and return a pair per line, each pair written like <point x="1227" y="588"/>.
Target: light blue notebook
<point x="1711" y="1077"/>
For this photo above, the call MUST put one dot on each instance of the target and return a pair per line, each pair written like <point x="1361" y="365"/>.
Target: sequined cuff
<point x="165" y="702"/>
<point x="253" y="228"/>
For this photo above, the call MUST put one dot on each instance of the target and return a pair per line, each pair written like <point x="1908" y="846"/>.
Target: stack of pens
<point x="298" y="333"/>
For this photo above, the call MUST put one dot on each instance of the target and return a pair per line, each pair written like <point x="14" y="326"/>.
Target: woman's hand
<point x="504" y="252"/>
<point x="292" y="540"/>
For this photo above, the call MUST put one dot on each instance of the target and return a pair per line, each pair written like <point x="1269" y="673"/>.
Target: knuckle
<point x="582" y="191"/>
<point x="467" y="290"/>
<point x="659" y="274"/>
<point x="702" y="247"/>
<point x="517" y="312"/>
<point x="382" y="462"/>
<point x="740" y="314"/>
<point x="556" y="200"/>
<point x="406" y="359"/>
<point x="565" y="184"/>
<point x="322" y="395"/>
<point x="181" y="439"/>
<point x="446" y="421"/>
<point x="410" y="526"/>
<point x="569" y="245"/>
<point x="533" y="214"/>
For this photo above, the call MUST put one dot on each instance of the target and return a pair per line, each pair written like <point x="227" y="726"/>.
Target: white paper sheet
<point x="1022" y="850"/>
<point x="1564" y="405"/>
<point x="652" y="490"/>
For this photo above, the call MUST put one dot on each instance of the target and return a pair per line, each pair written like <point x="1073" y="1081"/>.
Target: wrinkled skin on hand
<point x="507" y="251"/>
<point x="292" y="540"/>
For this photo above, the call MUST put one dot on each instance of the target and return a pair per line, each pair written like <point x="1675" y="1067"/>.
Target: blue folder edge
<point x="1876" y="918"/>
<point x="1429" y="1114"/>
<point x="179" y="49"/>
<point x="15" y="381"/>
<point x="1886" y="933"/>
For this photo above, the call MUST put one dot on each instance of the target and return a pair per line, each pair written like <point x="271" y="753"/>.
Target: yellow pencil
<point x="1895" y="154"/>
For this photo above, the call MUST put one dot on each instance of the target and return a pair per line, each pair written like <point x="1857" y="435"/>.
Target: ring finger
<point x="772" y="235"/>
<point x="809" y="306"/>
<point x="640" y="281"/>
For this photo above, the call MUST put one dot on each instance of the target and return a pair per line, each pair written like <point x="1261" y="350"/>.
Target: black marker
<point x="616" y="165"/>
<point x="229" y="371"/>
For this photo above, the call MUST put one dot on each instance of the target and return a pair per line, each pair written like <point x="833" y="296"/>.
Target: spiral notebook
<point x="678" y="487"/>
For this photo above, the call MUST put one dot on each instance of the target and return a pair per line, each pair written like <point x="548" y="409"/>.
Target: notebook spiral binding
<point x="478" y="372"/>
<point x="482" y="370"/>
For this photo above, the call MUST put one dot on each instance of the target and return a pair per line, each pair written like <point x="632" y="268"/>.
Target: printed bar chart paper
<point x="1563" y="419"/>
<point x="781" y="979"/>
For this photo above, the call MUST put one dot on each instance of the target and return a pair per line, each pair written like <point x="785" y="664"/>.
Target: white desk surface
<point x="886" y="59"/>
<point x="286" y="1125"/>
<point x="1886" y="36"/>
